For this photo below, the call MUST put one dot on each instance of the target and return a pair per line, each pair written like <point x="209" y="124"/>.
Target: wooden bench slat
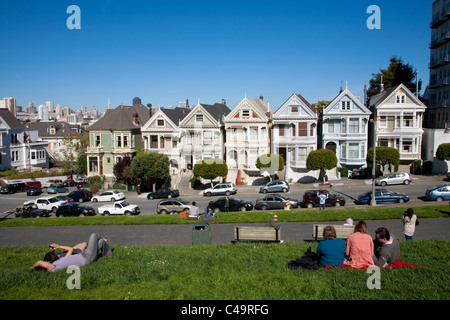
<point x="341" y="231"/>
<point x="256" y="234"/>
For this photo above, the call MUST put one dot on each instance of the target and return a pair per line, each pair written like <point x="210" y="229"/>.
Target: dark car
<point x="359" y="174"/>
<point x="311" y="199"/>
<point x="383" y="196"/>
<point x="31" y="211"/>
<point x="80" y="195"/>
<point x="34" y="191"/>
<point x="13" y="187"/>
<point x="163" y="193"/>
<point x="274" y="202"/>
<point x="236" y="204"/>
<point x="74" y="209"/>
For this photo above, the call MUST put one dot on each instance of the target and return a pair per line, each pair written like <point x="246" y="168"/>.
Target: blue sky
<point x="168" y="51"/>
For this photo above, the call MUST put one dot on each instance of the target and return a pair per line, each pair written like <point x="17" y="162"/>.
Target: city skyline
<point x="170" y="52"/>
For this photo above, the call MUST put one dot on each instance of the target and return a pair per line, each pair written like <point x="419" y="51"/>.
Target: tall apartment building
<point x="436" y="124"/>
<point x="438" y="114"/>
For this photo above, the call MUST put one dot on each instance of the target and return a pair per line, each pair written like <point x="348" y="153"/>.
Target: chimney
<point x="149" y="106"/>
<point x="224" y="102"/>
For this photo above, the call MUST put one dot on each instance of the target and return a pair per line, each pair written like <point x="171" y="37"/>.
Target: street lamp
<point x="373" y="202"/>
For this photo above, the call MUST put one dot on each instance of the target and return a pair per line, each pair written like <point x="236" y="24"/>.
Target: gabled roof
<point x="215" y="113"/>
<point x="339" y="97"/>
<point x="385" y="95"/>
<point x="10" y="120"/>
<point x="121" y="118"/>
<point x="258" y="105"/>
<point x="62" y="128"/>
<point x="302" y="102"/>
<point x="176" y="114"/>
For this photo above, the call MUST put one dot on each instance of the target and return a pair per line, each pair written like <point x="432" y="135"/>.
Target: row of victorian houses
<point x="251" y="129"/>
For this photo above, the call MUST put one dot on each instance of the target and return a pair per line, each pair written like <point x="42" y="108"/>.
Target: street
<point x="349" y="189"/>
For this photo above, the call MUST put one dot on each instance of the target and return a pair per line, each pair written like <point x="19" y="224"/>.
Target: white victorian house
<point x="248" y="128"/>
<point x="345" y="123"/>
<point x="161" y="133"/>
<point x="399" y="115"/>
<point x="294" y="135"/>
<point x="202" y="134"/>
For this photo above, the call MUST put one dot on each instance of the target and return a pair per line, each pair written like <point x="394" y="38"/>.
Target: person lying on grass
<point x="88" y="253"/>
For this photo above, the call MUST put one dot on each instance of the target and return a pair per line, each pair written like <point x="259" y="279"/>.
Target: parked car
<point x="310" y="199"/>
<point x="57" y="189"/>
<point x="236" y="204"/>
<point x="438" y="193"/>
<point x="13" y="187"/>
<point x="33" y="184"/>
<point x="173" y="205"/>
<point x="274" y="202"/>
<point x="112" y="195"/>
<point x="34" y="191"/>
<point x="80" y="195"/>
<point x="52" y="182"/>
<point x="394" y="178"/>
<point x="30" y="211"/>
<point x="48" y="203"/>
<point x="74" y="209"/>
<point x="275" y="186"/>
<point x="383" y="196"/>
<point x="64" y="198"/>
<point x="359" y="174"/>
<point x="225" y="188"/>
<point x="163" y="193"/>
<point x="119" y="207"/>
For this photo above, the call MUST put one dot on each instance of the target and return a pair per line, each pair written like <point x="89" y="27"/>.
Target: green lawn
<point x="301" y="215"/>
<point x="224" y="272"/>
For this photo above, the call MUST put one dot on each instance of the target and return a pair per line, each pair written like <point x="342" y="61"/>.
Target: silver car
<point x="275" y="186"/>
<point x="394" y="178"/>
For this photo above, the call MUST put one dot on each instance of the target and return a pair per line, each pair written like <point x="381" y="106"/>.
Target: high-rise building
<point x="10" y="104"/>
<point x="136" y="100"/>
<point x="438" y="114"/>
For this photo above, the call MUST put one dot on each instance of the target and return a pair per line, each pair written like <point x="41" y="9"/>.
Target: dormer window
<point x="401" y="98"/>
<point x="294" y="109"/>
<point x="52" y="130"/>
<point x="245" y="113"/>
<point x="345" y="105"/>
<point x="199" y="118"/>
<point x="160" y="123"/>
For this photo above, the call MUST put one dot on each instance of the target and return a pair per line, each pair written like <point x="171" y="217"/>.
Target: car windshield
<point x="124" y="204"/>
<point x="53" y="200"/>
<point x="183" y="201"/>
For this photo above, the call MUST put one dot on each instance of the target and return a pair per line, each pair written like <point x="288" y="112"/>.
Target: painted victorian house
<point x="202" y="134"/>
<point x="19" y="146"/>
<point x="161" y="134"/>
<point x="116" y="135"/>
<point x="399" y="115"/>
<point x="345" y="123"/>
<point x="248" y="128"/>
<point x="294" y="135"/>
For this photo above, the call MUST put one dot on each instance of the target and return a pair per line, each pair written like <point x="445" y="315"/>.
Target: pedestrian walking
<point x="227" y="204"/>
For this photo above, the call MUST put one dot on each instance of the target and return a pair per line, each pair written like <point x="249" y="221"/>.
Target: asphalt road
<point x="222" y="233"/>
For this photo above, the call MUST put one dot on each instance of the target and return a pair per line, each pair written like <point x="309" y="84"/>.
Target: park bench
<point x="342" y="231"/>
<point x="256" y="234"/>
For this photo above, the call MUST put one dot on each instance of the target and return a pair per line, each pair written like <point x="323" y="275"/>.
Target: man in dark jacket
<point x="386" y="248"/>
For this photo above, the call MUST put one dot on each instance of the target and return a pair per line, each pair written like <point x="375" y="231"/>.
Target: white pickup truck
<point x="119" y="207"/>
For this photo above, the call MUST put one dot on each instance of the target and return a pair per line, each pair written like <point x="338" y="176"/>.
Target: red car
<point x="33" y="184"/>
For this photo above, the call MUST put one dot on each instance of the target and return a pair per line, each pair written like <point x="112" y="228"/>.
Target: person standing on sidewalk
<point x="322" y="198"/>
<point x="409" y="224"/>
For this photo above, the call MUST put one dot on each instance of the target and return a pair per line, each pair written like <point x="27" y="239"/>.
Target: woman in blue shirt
<point x="331" y="251"/>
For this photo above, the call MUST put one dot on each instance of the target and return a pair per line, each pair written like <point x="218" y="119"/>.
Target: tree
<point x="150" y="167"/>
<point x="321" y="104"/>
<point x="210" y="169"/>
<point x="398" y="72"/>
<point x="384" y="156"/>
<point x="122" y="171"/>
<point x="321" y="159"/>
<point x="270" y="162"/>
<point x="74" y="146"/>
<point x="443" y="152"/>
